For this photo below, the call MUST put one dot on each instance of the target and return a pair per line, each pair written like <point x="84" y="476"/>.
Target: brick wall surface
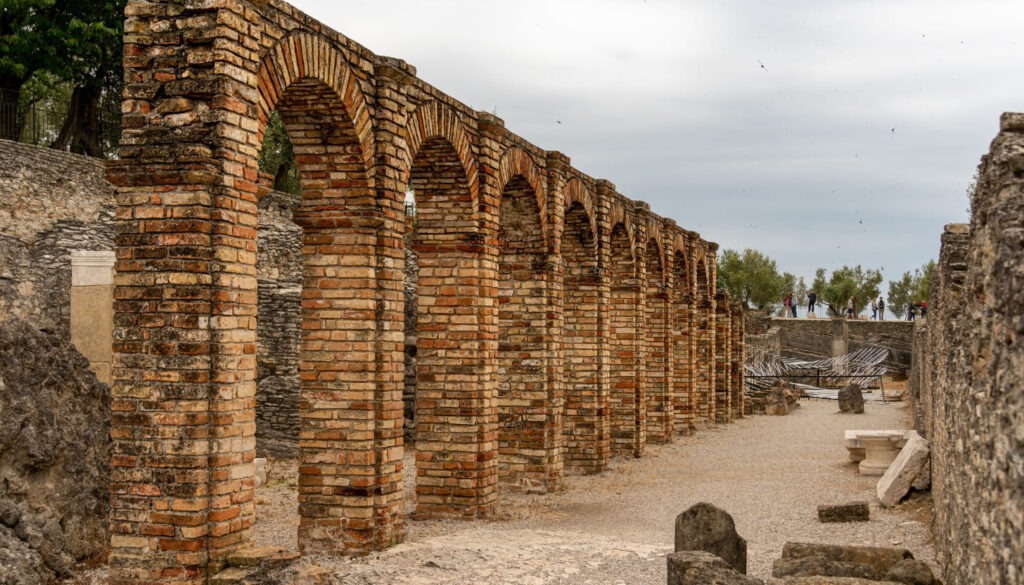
<point x="969" y="376"/>
<point x="530" y="357"/>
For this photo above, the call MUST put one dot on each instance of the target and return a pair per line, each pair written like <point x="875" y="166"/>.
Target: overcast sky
<point x="822" y="133"/>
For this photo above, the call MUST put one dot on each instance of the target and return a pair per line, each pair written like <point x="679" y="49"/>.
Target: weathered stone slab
<point x="819" y="580"/>
<point x="708" y="528"/>
<point x="818" y="566"/>
<point x="851" y="512"/>
<point x="851" y="399"/>
<point x="880" y="559"/>
<point x="912" y="572"/>
<point x="696" y="567"/>
<point x="896" y="482"/>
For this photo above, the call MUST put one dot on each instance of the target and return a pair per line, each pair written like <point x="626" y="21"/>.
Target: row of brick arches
<point x="558" y="323"/>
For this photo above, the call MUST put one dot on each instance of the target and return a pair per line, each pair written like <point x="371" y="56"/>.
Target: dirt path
<point x="770" y="473"/>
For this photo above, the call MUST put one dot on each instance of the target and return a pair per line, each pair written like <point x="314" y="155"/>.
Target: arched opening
<point x="278" y="317"/>
<point x="683" y="395"/>
<point x="656" y="383"/>
<point x="524" y="404"/>
<point x="586" y="423"/>
<point x="346" y="472"/>
<point x="452" y="480"/>
<point x="626" y="401"/>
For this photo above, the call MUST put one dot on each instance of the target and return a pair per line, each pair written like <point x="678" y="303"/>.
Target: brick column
<point x="723" y="359"/>
<point x="185" y="299"/>
<point x="704" y="320"/>
<point x="657" y="360"/>
<point x="738" y="358"/>
<point x="683" y="336"/>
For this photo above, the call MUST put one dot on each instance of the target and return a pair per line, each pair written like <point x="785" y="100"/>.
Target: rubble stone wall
<point x="51" y="203"/>
<point x="971" y="383"/>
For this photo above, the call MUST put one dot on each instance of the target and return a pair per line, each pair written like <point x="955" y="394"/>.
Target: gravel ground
<point x="769" y="472"/>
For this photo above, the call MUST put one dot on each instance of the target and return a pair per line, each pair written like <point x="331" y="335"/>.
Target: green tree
<point x="910" y="288"/>
<point x="752" y="278"/>
<point x="277" y="156"/>
<point x="846" y="283"/>
<point x="78" y="42"/>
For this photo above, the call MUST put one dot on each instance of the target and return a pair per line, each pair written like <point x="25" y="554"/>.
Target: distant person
<point x="792" y="304"/>
<point x="924" y="308"/>
<point x="812" y="298"/>
<point x="787" y="305"/>
<point x="849" y="308"/>
<point x="881" y="308"/>
<point x="912" y="312"/>
<point x="874" y="309"/>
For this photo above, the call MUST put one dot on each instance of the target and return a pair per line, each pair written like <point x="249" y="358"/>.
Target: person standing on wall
<point x="874" y="309"/>
<point x="792" y="304"/>
<point x="812" y="298"/>
<point x="881" y="308"/>
<point x="849" y="308"/>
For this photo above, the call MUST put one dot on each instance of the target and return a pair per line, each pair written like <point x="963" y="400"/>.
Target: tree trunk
<point x="10" y="118"/>
<point x="81" y="131"/>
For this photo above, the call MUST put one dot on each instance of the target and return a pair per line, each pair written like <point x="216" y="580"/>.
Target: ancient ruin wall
<point x="973" y="391"/>
<point x="812" y="338"/>
<point x="52" y="203"/>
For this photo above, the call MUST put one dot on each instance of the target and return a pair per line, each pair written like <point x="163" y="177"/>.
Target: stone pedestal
<point x="879" y="453"/>
<point x="856" y="448"/>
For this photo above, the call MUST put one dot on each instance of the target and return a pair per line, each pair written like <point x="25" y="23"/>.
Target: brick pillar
<point x="723" y="359"/>
<point x="657" y="355"/>
<point x="627" y="404"/>
<point x="92" y="308"/>
<point x="738" y="359"/>
<point x="683" y="336"/>
<point x="185" y="301"/>
<point x="704" y="319"/>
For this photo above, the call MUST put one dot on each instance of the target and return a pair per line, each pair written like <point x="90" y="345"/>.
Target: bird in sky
<point x="761" y="64"/>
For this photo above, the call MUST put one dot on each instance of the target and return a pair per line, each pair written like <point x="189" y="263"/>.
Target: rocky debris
<point x="851" y="399"/>
<point x="54" y="456"/>
<point x="706" y="527"/>
<point x="897" y="480"/>
<point x="912" y="572"/>
<point x="819" y="566"/>
<point x="695" y="567"/>
<point x="851" y="512"/>
<point x="779" y="400"/>
<point x="881" y="559"/>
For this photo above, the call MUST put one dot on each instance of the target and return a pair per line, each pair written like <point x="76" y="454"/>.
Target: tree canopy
<point x="753" y="278"/>
<point x="847" y="283"/>
<point x="910" y="288"/>
<point x="72" y="42"/>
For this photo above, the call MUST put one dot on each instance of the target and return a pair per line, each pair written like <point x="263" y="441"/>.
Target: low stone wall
<point x="969" y="379"/>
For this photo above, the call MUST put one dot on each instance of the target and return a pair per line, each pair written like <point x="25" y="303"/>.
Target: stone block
<point x="912" y="572"/>
<point x="821" y="580"/>
<point x="819" y="566"/>
<point x="709" y="528"/>
<point x="896" y="482"/>
<point x="851" y="399"/>
<point x="856" y="448"/>
<point x="851" y="512"/>
<point x="881" y="559"/>
<point x="694" y="567"/>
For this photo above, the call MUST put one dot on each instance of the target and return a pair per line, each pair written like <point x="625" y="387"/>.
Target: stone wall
<point x="812" y="338"/>
<point x="971" y="385"/>
<point x="52" y="203"/>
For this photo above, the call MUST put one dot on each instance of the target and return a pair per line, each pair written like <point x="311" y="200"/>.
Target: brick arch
<point x="305" y="56"/>
<point x="616" y="216"/>
<point x="683" y="337"/>
<point x="576" y="191"/>
<point x="433" y="121"/>
<point x="654" y="238"/>
<point x="517" y="163"/>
